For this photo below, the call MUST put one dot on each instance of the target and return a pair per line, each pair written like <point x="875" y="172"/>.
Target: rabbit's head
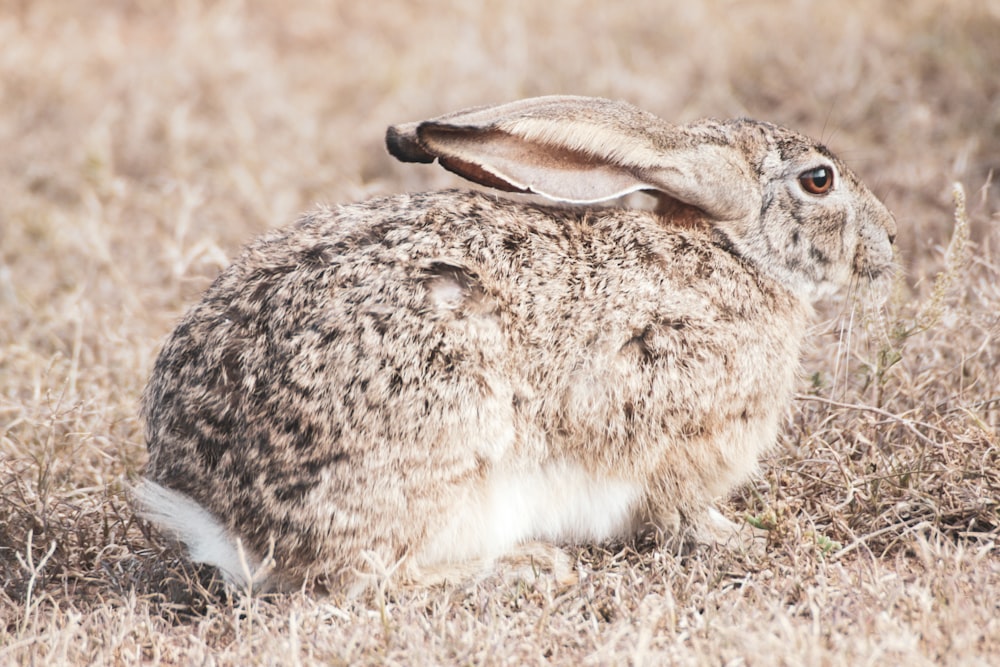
<point x="817" y="226"/>
<point x="773" y="196"/>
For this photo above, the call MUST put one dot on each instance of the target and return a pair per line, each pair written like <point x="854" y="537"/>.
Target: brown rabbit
<point x="440" y="380"/>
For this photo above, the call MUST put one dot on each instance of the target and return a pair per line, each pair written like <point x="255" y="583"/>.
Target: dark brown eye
<point x="817" y="181"/>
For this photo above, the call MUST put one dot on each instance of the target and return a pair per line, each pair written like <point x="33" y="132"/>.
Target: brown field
<point x="142" y="143"/>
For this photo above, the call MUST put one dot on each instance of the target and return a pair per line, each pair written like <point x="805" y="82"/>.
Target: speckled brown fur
<point x="352" y="378"/>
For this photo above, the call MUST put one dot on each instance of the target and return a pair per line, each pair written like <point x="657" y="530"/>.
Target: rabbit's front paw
<point x="538" y="561"/>
<point x="714" y="528"/>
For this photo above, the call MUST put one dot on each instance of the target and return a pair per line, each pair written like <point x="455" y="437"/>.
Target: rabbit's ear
<point x="584" y="150"/>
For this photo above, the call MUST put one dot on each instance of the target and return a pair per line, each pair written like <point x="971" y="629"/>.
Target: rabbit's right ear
<point x="584" y="150"/>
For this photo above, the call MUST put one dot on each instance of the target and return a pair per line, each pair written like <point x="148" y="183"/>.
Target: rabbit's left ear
<point x="584" y="150"/>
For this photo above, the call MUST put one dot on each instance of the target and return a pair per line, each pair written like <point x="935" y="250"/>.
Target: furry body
<point x="436" y="381"/>
<point x="281" y="410"/>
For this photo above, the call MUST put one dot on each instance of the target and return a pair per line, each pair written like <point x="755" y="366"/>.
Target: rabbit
<point x="428" y="387"/>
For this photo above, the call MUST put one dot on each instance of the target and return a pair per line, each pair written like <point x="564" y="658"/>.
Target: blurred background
<point x="142" y="143"/>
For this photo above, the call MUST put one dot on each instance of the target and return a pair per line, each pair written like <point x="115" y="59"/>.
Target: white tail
<point x="207" y="540"/>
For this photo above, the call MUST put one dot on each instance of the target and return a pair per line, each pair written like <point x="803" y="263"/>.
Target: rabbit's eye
<point x="817" y="181"/>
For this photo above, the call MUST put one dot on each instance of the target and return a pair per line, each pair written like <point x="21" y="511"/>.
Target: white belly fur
<point x="558" y="502"/>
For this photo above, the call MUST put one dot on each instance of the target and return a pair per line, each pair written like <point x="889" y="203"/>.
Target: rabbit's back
<point x="366" y="365"/>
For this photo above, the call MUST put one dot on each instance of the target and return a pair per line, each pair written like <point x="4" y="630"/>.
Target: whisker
<point x="844" y="345"/>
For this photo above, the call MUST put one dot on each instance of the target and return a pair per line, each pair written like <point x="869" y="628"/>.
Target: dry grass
<point x="143" y="142"/>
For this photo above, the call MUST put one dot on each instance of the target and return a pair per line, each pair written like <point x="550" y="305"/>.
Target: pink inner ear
<point x="594" y="161"/>
<point x="477" y="174"/>
<point x="506" y="162"/>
